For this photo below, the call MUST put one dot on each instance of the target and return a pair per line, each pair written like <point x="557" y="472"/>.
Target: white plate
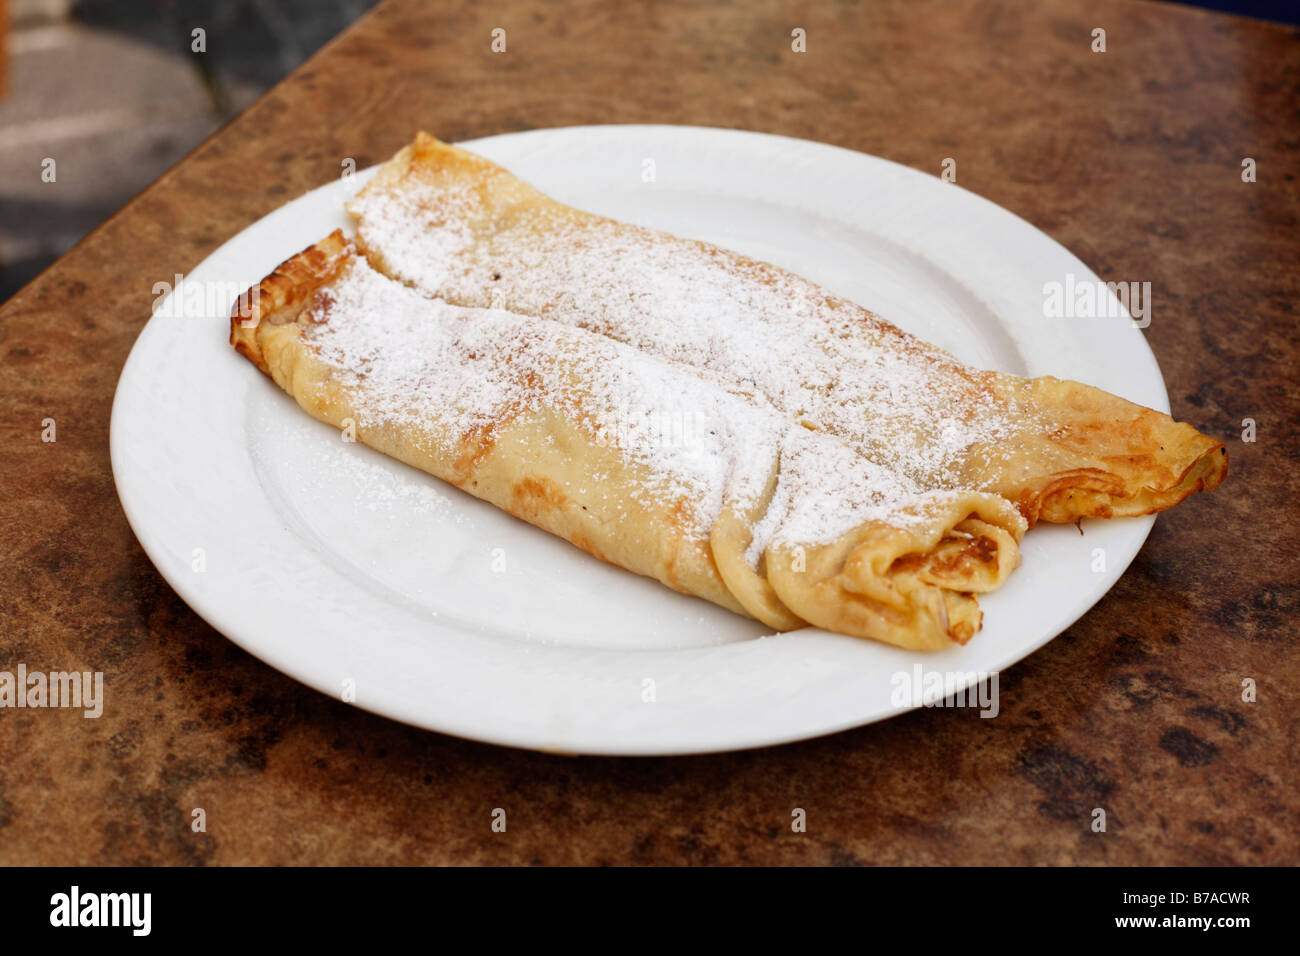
<point x="353" y="573"/>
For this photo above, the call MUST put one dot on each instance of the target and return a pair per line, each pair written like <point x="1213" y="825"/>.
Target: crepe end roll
<point x="908" y="579"/>
<point x="1081" y="452"/>
<point x="456" y="225"/>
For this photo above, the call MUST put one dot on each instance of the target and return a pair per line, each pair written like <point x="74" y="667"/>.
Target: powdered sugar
<point x="408" y="359"/>
<point x="817" y="358"/>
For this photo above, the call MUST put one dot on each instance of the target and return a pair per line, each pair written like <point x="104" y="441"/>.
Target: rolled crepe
<point x="454" y="225"/>
<point x="658" y="468"/>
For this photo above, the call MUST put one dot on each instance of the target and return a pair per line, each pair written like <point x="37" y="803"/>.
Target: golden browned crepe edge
<point x="286" y="290"/>
<point x="1133" y="460"/>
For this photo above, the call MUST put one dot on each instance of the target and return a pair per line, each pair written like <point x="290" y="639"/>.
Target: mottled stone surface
<point x="1131" y="158"/>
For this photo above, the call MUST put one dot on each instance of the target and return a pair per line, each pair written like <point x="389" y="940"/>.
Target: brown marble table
<point x="1132" y="158"/>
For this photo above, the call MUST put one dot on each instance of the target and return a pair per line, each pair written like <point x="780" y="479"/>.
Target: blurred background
<point x="116" y="91"/>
